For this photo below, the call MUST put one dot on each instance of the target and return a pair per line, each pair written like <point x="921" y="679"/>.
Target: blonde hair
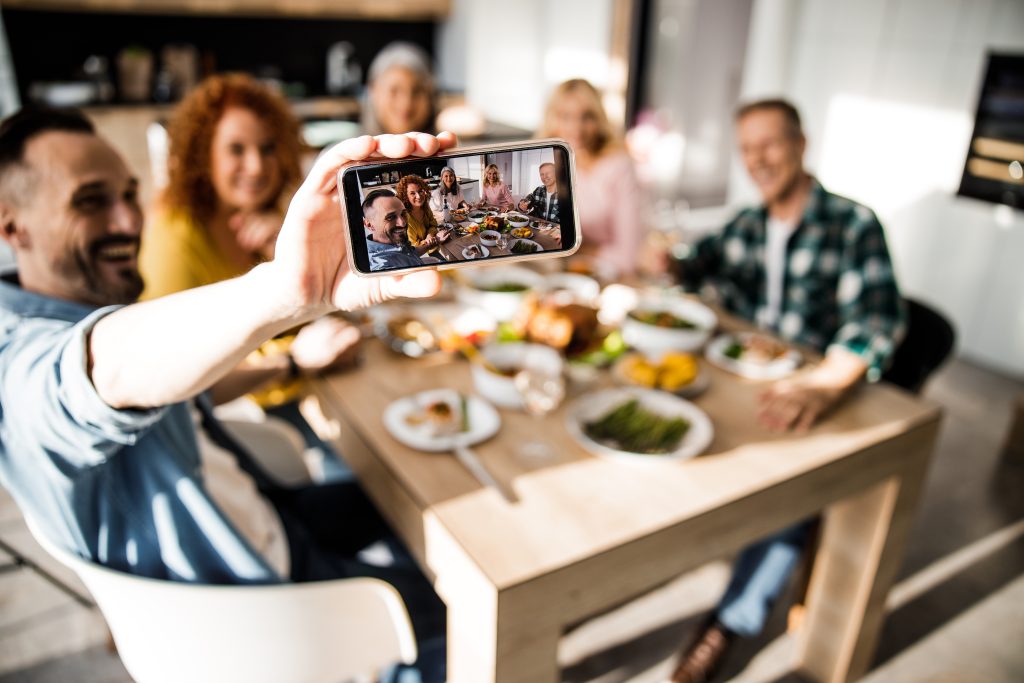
<point x="606" y="137"/>
<point x="497" y="170"/>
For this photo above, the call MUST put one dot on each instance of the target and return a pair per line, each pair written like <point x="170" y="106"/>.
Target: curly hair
<point x="402" y="188"/>
<point x="191" y="130"/>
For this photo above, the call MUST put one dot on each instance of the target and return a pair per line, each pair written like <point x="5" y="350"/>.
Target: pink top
<point x="496" y="195"/>
<point x="609" y="204"/>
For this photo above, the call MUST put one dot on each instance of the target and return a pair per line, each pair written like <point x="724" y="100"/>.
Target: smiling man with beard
<point x="107" y="437"/>
<point x="384" y="215"/>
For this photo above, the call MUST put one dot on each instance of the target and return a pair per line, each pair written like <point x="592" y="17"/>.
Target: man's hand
<point x="798" y="402"/>
<point x="324" y="345"/>
<point x="311" y="262"/>
<point x="256" y="232"/>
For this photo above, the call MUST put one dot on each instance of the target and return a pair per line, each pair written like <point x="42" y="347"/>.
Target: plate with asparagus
<point x="639" y="425"/>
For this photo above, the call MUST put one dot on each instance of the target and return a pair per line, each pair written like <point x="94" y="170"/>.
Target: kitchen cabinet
<point x="347" y="9"/>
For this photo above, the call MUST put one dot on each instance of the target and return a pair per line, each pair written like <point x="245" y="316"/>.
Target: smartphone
<point x="488" y="204"/>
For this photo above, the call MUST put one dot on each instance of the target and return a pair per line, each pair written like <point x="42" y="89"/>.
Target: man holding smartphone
<point x="543" y="201"/>
<point x="385" y="216"/>
<point x="105" y="433"/>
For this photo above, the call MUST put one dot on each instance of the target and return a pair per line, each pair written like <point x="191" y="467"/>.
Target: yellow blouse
<point x="417" y="230"/>
<point x="178" y="254"/>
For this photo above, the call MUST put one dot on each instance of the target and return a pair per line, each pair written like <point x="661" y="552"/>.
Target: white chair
<point x="329" y="631"/>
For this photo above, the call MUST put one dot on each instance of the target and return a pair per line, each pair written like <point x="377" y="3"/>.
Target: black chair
<point x="927" y="344"/>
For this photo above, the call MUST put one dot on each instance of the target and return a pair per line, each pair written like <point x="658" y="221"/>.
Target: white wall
<point x="888" y="90"/>
<point x="508" y="55"/>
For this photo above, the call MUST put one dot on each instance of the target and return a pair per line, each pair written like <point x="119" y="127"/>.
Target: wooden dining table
<point x="586" y="534"/>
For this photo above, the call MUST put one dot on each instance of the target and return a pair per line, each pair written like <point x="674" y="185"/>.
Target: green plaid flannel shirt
<point x="839" y="287"/>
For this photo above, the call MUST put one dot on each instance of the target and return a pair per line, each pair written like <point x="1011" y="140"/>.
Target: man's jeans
<point x="761" y="573"/>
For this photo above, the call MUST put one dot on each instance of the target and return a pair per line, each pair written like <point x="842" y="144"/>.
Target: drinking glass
<point x="542" y="391"/>
<point x="501" y="241"/>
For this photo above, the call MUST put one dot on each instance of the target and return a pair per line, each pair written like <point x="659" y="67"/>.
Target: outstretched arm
<point x="170" y="349"/>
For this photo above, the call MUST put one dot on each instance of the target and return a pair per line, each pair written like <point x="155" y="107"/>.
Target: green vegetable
<point x="630" y="427"/>
<point x="507" y="332"/>
<point x="733" y="350"/>
<point x="505" y="287"/>
<point x="663" y="319"/>
<point x="522" y="247"/>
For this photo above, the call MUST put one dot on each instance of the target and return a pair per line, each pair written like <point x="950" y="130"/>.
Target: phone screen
<point x="478" y="205"/>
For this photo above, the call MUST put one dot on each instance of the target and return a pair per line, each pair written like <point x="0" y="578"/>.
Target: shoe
<point x="701" y="660"/>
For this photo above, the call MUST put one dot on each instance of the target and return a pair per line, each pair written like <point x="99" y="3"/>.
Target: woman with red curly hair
<point x="233" y="159"/>
<point x="423" y="231"/>
<point x="232" y="165"/>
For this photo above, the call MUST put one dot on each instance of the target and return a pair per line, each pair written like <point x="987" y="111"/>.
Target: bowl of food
<point x="677" y="372"/>
<point x="489" y="238"/>
<point x="753" y="355"/>
<point x="477" y="215"/>
<point x="459" y="215"/>
<point x="655" y="328"/>
<point x="524" y="246"/>
<point x="518" y="220"/>
<point x="495" y="380"/>
<point x="523" y="233"/>
<point x="500" y="290"/>
<point x="573" y="287"/>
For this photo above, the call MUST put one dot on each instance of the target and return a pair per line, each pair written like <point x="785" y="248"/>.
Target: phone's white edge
<point x="461" y="151"/>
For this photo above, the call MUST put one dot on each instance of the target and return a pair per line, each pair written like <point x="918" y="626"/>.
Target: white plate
<point x="694" y="388"/>
<point x="485" y="254"/>
<point x="520" y="239"/>
<point x="484" y="422"/>
<point x="777" y="369"/>
<point x="590" y="407"/>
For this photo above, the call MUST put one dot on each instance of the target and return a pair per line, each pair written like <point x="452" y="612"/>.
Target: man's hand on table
<point x="325" y="345"/>
<point x="797" y="403"/>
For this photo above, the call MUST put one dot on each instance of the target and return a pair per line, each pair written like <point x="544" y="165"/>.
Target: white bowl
<point x="518" y="221"/>
<point x="502" y="305"/>
<point x="489" y="238"/>
<point x="654" y="341"/>
<point x="501" y="390"/>
<point x="578" y="288"/>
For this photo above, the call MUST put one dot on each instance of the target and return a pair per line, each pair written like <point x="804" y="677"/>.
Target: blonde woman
<point x="608" y="196"/>
<point x="494" y="191"/>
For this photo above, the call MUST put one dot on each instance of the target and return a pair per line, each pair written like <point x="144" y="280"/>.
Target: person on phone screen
<point x="494" y="191"/>
<point x="108" y="441"/>
<point x="543" y="201"/>
<point x="424" y="234"/>
<point x="386" y="219"/>
<point x="448" y="195"/>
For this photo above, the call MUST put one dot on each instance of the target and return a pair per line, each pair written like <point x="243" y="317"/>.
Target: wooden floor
<point x="954" y="616"/>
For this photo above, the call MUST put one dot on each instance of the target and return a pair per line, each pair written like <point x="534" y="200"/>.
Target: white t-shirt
<point x="777" y="238"/>
<point x="235" y="493"/>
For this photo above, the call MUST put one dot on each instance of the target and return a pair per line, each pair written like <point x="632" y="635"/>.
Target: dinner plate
<point x="782" y="366"/>
<point x="696" y="387"/>
<point x="590" y="407"/>
<point x="484" y="421"/>
<point x="517" y="240"/>
<point x="485" y="253"/>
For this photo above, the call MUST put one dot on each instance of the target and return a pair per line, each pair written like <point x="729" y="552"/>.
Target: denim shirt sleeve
<point x="47" y="366"/>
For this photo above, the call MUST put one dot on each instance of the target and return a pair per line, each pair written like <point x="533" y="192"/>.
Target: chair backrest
<point x="327" y="631"/>
<point x="929" y="341"/>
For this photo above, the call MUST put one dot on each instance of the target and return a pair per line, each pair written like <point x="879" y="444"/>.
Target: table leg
<point x="494" y="636"/>
<point x="860" y="552"/>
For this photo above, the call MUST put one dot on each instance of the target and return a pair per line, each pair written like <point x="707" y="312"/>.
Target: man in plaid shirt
<point x="813" y="268"/>
<point x="543" y="201"/>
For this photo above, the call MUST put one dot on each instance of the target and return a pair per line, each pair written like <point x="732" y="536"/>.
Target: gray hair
<point x="407" y="56"/>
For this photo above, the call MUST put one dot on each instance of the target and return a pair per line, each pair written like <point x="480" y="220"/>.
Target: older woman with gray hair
<point x="448" y="194"/>
<point x="400" y="92"/>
